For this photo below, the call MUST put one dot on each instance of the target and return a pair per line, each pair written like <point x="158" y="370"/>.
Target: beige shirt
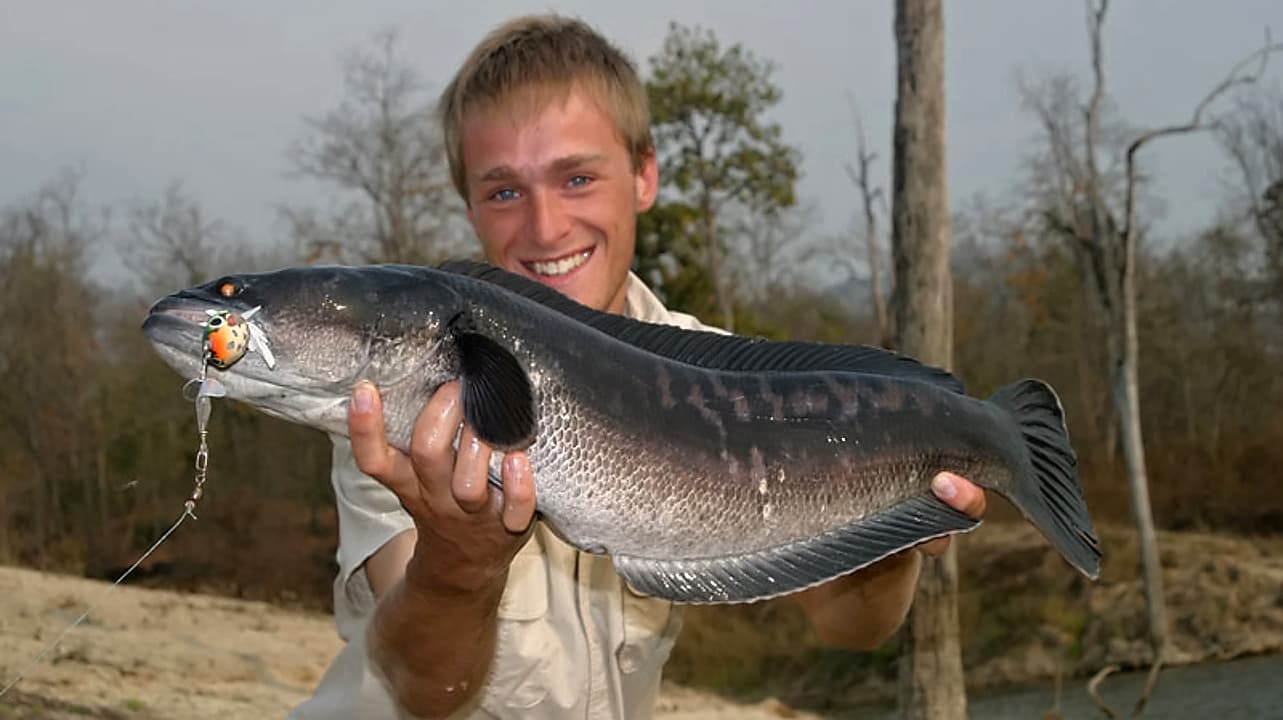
<point x="574" y="640"/>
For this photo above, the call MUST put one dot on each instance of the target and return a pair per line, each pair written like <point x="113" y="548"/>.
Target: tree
<point x="381" y="149"/>
<point x="718" y="154"/>
<point x="1253" y="137"/>
<point x="670" y="258"/>
<point x="172" y="243"/>
<point x="870" y="196"/>
<point x="50" y="367"/>
<point x="930" y="676"/>
<point x="1096" y="212"/>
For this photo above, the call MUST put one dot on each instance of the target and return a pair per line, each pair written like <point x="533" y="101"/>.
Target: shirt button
<point x="630" y="658"/>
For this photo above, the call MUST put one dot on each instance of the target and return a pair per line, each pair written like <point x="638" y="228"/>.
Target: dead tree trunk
<point x="931" y="681"/>
<point x="1108" y="253"/>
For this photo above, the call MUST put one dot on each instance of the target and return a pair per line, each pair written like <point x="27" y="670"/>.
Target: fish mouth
<point x="175" y="325"/>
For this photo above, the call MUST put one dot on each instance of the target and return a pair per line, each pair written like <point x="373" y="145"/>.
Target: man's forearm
<point x="862" y="610"/>
<point x="435" y="648"/>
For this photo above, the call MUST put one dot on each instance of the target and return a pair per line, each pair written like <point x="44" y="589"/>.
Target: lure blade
<point x="206" y="388"/>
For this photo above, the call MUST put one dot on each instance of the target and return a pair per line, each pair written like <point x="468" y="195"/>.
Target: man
<point x="451" y="601"/>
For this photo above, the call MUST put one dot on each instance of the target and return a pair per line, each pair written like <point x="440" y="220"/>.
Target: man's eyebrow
<point x="498" y="172"/>
<point x="560" y="165"/>
<point x="570" y="162"/>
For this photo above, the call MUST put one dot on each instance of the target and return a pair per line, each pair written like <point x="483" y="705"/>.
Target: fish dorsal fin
<point x="712" y="350"/>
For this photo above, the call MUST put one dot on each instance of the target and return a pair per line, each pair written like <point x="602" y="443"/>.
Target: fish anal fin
<point x="801" y="564"/>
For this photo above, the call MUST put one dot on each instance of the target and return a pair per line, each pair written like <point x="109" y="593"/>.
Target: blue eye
<point x="579" y="181"/>
<point x="504" y="194"/>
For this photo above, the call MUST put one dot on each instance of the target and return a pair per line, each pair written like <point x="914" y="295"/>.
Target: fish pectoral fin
<point x="798" y="565"/>
<point x="498" y="399"/>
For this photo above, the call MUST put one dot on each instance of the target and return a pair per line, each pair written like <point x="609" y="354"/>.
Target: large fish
<point x="711" y="468"/>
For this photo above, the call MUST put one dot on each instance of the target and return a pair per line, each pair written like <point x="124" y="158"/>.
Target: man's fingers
<point x="518" y="492"/>
<point x="471" y="472"/>
<point x="959" y="494"/>
<point x="370" y="446"/>
<point x="432" y="440"/>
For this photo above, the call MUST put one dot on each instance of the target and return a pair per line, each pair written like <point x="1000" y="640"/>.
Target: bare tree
<point x="50" y="360"/>
<point x="382" y="150"/>
<point x="172" y="243"/>
<point x="772" y="248"/>
<point x="1104" y="238"/>
<point x="1253" y="137"/>
<point x="930" y="677"/>
<point x="870" y="196"/>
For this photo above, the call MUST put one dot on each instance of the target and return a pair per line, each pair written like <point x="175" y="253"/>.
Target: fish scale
<point x="710" y="467"/>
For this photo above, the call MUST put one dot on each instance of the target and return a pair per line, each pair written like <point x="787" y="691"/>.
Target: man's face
<point x="552" y="195"/>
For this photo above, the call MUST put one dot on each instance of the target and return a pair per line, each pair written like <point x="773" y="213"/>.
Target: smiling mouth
<point x="560" y="266"/>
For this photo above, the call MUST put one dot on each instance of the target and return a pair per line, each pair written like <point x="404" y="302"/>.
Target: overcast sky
<point x="212" y="93"/>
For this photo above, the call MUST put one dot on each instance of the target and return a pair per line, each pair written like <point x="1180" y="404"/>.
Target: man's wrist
<point x="428" y="579"/>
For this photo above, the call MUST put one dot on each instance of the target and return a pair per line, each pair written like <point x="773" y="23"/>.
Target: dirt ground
<point x="146" y="654"/>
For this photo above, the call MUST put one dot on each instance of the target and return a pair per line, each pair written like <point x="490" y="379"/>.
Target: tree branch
<point x="1233" y="79"/>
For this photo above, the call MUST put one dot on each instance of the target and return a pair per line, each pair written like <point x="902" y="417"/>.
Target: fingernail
<point x="362" y="398"/>
<point x="944" y="486"/>
<point x="515" y="463"/>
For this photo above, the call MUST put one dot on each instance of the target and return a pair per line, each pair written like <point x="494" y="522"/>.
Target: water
<point x="1249" y="689"/>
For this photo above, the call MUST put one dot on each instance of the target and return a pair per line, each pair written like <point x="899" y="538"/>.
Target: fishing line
<point x="199" y="391"/>
<point x="83" y="616"/>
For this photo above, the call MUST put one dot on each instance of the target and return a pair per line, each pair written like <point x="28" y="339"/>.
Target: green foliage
<point x="708" y="108"/>
<point x="718" y="156"/>
<point x="670" y="259"/>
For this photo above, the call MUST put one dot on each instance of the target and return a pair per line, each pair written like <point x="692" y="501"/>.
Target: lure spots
<point x="227" y="335"/>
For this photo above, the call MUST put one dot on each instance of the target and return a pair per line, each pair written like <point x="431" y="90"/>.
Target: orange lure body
<point x="227" y="338"/>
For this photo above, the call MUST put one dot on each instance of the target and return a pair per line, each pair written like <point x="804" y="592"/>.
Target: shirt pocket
<point x="521" y="671"/>
<point x="650" y="626"/>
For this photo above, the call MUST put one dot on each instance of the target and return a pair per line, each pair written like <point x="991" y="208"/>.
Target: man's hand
<point x="466" y="538"/>
<point x="861" y="610"/>
<point x="439" y="587"/>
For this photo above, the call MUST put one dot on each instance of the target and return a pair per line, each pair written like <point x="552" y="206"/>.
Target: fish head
<point x="324" y="329"/>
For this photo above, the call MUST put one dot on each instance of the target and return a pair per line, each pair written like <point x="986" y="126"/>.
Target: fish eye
<point x="216" y="321"/>
<point x="227" y="289"/>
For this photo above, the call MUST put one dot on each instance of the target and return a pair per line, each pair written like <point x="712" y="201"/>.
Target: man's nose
<point x="549" y="221"/>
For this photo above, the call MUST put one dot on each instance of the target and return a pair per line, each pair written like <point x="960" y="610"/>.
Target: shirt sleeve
<point x="370" y="515"/>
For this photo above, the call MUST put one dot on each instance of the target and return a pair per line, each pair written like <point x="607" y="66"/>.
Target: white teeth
<point x="562" y="266"/>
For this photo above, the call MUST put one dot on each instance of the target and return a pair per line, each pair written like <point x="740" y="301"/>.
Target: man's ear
<point x="646" y="181"/>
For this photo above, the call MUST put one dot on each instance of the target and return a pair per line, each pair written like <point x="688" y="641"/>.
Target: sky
<point x="139" y="93"/>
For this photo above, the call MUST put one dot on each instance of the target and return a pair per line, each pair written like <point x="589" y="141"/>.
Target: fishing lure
<point x="229" y="335"/>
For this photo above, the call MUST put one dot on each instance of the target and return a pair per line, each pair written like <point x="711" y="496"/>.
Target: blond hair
<point x="535" y="58"/>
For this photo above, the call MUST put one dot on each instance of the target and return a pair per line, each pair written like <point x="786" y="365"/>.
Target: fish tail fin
<point x="1046" y="487"/>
